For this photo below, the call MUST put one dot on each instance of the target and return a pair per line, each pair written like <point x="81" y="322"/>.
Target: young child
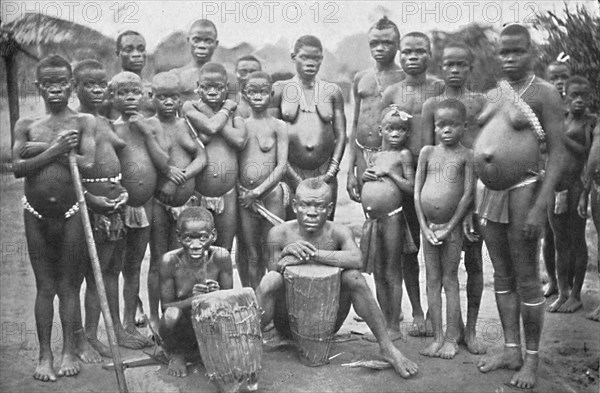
<point x="457" y="63"/>
<point x="170" y="199"/>
<point x="367" y="89"/>
<point x="223" y="134"/>
<point x="263" y="163"/>
<point x="141" y="160"/>
<point x="197" y="267"/>
<point x="244" y="66"/>
<point x="443" y="194"/>
<point x="106" y="198"/>
<point x="410" y="94"/>
<point x="567" y="225"/>
<point x="314" y="112"/>
<point x="53" y="226"/>
<point x="557" y="73"/>
<point x="592" y="181"/>
<point x="388" y="178"/>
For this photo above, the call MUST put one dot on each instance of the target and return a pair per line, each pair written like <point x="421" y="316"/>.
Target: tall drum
<point x="312" y="296"/>
<point x="227" y="327"/>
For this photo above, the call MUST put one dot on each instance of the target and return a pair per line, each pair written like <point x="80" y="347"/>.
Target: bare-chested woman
<point x="314" y="111"/>
<point x="53" y="226"/>
<point x="526" y="112"/>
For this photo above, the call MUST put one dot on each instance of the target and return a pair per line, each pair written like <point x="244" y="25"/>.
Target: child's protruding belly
<point x="181" y="159"/>
<point x="50" y="191"/>
<point x="221" y="172"/>
<point x="380" y="197"/>
<point x="439" y="199"/>
<point x="139" y="175"/>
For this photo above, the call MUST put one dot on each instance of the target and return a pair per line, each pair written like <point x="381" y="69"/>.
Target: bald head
<point x="313" y="185"/>
<point x="203" y="24"/>
<point x="516" y="29"/>
<point x="125" y="77"/>
<point x="165" y="81"/>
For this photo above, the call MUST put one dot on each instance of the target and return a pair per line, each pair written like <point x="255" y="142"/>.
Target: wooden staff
<point x="89" y="239"/>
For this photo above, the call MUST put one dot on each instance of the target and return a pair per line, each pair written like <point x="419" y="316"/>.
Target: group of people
<point x="193" y="159"/>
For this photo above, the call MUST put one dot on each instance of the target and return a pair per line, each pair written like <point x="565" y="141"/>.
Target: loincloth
<point x="215" y="204"/>
<point x="108" y="227"/>
<point x="135" y="217"/>
<point x="175" y="211"/>
<point x="69" y="213"/>
<point x="285" y="189"/>
<point x="492" y="205"/>
<point x="367" y="152"/>
<point x="370" y="241"/>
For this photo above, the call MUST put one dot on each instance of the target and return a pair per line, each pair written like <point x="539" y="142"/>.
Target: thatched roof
<point x="41" y="30"/>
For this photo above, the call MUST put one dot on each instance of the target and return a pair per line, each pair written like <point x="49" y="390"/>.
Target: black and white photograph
<point x="299" y="196"/>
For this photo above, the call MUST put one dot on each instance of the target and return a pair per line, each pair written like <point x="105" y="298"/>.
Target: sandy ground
<point x="569" y="356"/>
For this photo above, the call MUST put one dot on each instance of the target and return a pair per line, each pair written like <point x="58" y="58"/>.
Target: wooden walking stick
<point x="89" y="239"/>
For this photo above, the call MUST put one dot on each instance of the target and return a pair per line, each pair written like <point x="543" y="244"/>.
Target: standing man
<point x="203" y="41"/>
<point x="367" y="89"/>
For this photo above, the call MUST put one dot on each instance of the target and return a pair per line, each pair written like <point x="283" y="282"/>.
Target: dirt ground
<point x="569" y="355"/>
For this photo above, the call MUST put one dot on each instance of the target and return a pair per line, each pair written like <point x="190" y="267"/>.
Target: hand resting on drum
<point x="210" y="286"/>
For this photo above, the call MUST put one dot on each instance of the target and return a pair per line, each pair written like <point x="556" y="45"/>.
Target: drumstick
<point x="266" y="214"/>
<point x="89" y="239"/>
<point x="193" y="132"/>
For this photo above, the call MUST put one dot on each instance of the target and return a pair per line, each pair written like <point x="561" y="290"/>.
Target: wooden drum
<point x="227" y="327"/>
<point x="312" y="296"/>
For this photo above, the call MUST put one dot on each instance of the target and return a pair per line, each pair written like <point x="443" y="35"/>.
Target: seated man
<point x="300" y="239"/>
<point x="195" y="268"/>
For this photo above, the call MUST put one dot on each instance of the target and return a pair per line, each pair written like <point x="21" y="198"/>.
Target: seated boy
<point x="170" y="198"/>
<point x="195" y="268"/>
<point x="263" y="163"/>
<point x="223" y="134"/>
<point x="443" y="194"/>
<point x="568" y="227"/>
<point x="389" y="175"/>
<point x="53" y="225"/>
<point x="310" y="238"/>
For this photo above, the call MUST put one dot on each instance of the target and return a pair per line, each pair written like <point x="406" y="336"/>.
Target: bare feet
<point x="594" y="315"/>
<point x="525" y="378"/>
<point x="403" y="366"/>
<point x="177" y="366"/>
<point x="394" y="336"/>
<point x="550" y="289"/>
<point x="474" y="346"/>
<point x="421" y="328"/>
<point x="571" y="305"/>
<point x="510" y="359"/>
<point x="448" y="350"/>
<point x="131" y="338"/>
<point x="102" y="349"/>
<point x="432" y="350"/>
<point x="556" y="304"/>
<point x="86" y="352"/>
<point x="69" y="365"/>
<point x="45" y="371"/>
<point x="140" y="317"/>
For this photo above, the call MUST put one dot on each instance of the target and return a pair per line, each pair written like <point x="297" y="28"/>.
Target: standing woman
<point x="524" y="113"/>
